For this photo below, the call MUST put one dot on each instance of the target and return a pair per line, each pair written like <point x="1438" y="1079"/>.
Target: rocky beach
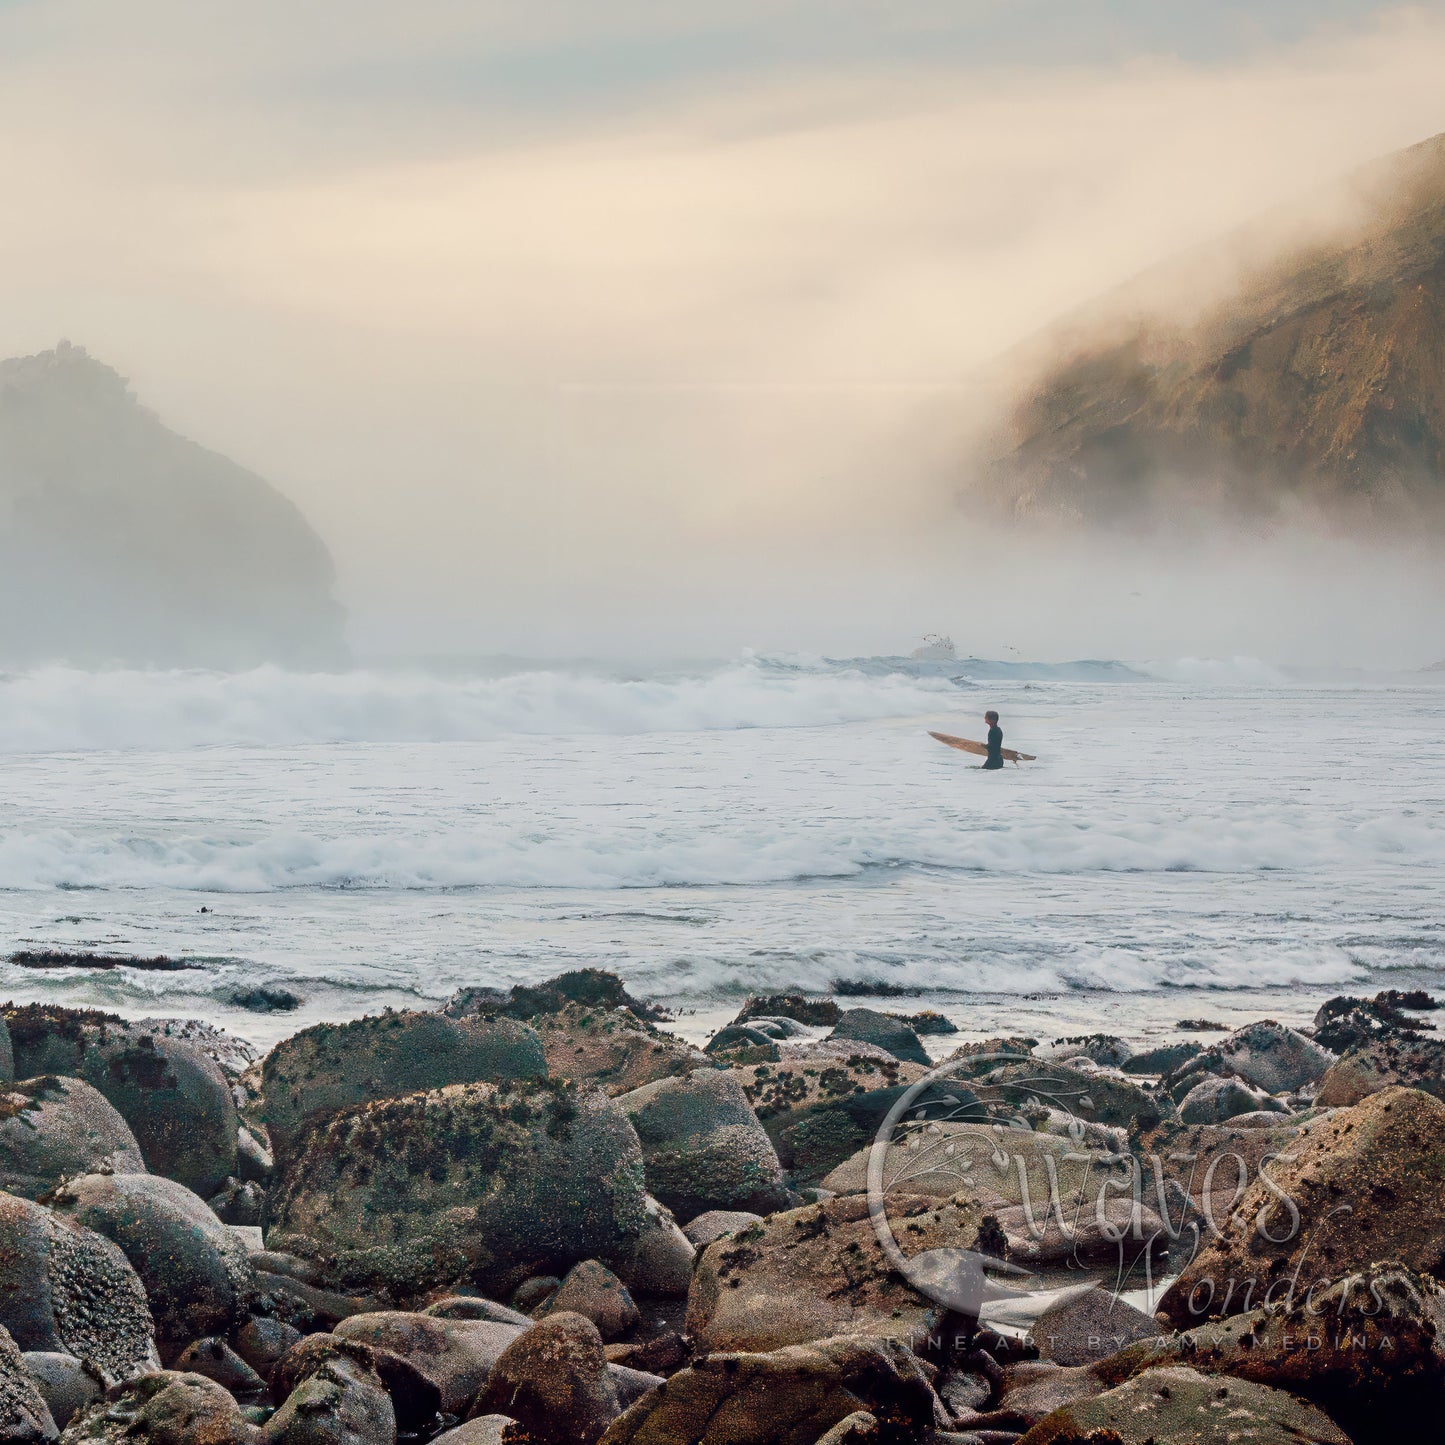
<point x="539" y="1215"/>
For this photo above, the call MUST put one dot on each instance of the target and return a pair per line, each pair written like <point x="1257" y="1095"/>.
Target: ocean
<point x="1221" y="839"/>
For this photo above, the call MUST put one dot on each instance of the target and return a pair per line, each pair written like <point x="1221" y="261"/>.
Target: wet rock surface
<point x="554" y="1382"/>
<point x="1364" y="1184"/>
<point x="493" y="1261"/>
<point x="335" y="1066"/>
<point x="792" y="1396"/>
<point x="464" y="1182"/>
<point x="170" y="1091"/>
<point x="53" y="1127"/>
<point x="65" y="1289"/>
<point x="703" y="1147"/>
<point x="196" y="1273"/>
<point x="1179" y="1406"/>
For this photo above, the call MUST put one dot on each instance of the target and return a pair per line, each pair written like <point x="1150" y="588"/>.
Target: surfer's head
<point x="991" y="718"/>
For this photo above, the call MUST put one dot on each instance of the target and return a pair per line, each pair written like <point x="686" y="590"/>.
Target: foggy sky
<point x="604" y="327"/>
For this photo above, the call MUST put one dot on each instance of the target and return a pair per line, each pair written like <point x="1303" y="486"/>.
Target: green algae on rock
<point x="470" y="1181"/>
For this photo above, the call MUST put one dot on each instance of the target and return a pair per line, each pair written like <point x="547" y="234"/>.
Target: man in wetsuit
<point x="995" y="741"/>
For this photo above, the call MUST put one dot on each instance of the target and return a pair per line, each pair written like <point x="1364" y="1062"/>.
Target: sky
<point x="581" y="327"/>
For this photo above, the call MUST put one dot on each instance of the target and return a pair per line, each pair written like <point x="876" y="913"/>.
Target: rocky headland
<point x="1291" y="371"/>
<point x="122" y="542"/>
<point x="538" y="1216"/>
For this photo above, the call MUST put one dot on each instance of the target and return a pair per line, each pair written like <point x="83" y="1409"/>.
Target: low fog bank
<point x="682" y="370"/>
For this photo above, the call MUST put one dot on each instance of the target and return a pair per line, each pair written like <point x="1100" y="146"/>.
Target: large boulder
<point x="1407" y="1060"/>
<point x="67" y="1290"/>
<point x="1369" y="1347"/>
<point x="197" y="1276"/>
<point x="1106" y="1049"/>
<point x="168" y="1089"/>
<point x="553" y="1381"/>
<point x="25" y="1418"/>
<point x="809" y="1273"/>
<point x="817" y="1012"/>
<point x="703" y="1147"/>
<point x="1053" y="1171"/>
<point x="1266" y="1055"/>
<point x="792" y="1396"/>
<point x="819" y="1109"/>
<point x="7" y="1053"/>
<point x="1076" y="1090"/>
<point x="166" y="1408"/>
<point x="470" y="1180"/>
<point x="889" y="1032"/>
<point x="456" y="1355"/>
<point x="1274" y="1058"/>
<point x="1163" y="1058"/>
<point x="335" y="1066"/>
<point x="53" y="1127"/>
<point x="1343" y="1023"/>
<point x="1361" y="1184"/>
<point x="1178" y="1406"/>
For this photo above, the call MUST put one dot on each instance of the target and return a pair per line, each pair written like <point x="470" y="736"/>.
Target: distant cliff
<point x="1315" y="385"/>
<point x="123" y="542"/>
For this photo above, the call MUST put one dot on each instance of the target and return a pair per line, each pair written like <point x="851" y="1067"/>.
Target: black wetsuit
<point x="995" y="748"/>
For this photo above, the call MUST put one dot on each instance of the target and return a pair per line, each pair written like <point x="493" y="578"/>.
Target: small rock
<point x="168" y="1408"/>
<point x="1213" y="1100"/>
<point x="472" y="1307"/>
<point x="658" y="1261"/>
<point x="592" y="1290"/>
<point x="1088" y="1327"/>
<point x="484" y="1430"/>
<point x="711" y="1226"/>
<point x="341" y="1402"/>
<point x="217" y="1361"/>
<point x="64" y="1383"/>
<point x="554" y="1382"/>
<point x="239" y="1203"/>
<point x="534" y="1294"/>
<point x="261" y="1342"/>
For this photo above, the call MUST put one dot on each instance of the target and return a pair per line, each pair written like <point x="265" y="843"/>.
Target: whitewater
<point x="1197" y="837"/>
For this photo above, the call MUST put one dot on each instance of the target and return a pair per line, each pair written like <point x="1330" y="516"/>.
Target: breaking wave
<point x="708" y="853"/>
<point x="64" y="709"/>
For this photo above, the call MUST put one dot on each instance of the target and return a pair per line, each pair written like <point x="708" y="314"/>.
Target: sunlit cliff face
<point x="677" y="365"/>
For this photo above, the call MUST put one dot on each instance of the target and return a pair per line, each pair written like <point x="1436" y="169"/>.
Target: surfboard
<point x="967" y="745"/>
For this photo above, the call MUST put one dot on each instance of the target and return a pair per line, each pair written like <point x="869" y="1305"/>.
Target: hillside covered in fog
<point x="1313" y="385"/>
<point x="121" y="542"/>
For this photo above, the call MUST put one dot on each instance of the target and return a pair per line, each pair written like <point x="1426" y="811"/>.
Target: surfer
<point x="995" y="741"/>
